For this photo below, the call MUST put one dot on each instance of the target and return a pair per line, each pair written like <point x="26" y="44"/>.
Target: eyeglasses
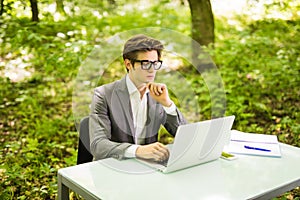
<point x="147" y="64"/>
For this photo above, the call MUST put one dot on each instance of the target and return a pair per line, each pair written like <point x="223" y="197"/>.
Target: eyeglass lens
<point x="147" y="65"/>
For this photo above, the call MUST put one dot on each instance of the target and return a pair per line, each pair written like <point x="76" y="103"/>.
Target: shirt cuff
<point x="130" y="151"/>
<point x="171" y="110"/>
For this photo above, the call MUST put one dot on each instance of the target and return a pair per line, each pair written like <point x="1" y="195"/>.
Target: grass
<point x="258" y="62"/>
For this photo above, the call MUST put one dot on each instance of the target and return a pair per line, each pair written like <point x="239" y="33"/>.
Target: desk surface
<point x="248" y="177"/>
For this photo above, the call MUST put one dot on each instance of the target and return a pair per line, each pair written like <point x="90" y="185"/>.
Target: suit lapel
<point x="124" y="99"/>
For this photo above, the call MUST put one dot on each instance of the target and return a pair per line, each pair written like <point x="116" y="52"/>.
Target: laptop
<point x="195" y="144"/>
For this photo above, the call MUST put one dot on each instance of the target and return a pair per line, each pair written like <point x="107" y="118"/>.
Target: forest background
<point x="256" y="51"/>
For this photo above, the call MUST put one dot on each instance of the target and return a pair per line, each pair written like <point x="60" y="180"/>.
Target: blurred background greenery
<point x="254" y="44"/>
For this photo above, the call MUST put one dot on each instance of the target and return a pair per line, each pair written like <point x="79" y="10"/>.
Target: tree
<point x="202" y="28"/>
<point x="60" y="7"/>
<point x="34" y="10"/>
<point x="202" y="21"/>
<point x="2" y="7"/>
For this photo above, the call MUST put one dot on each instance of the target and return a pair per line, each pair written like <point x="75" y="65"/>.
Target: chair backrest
<point x="84" y="155"/>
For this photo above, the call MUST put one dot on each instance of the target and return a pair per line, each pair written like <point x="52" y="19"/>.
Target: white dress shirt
<point x="139" y="112"/>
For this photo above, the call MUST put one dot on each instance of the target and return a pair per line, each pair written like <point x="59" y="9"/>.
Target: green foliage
<point x="33" y="127"/>
<point x="261" y="73"/>
<point x="257" y="59"/>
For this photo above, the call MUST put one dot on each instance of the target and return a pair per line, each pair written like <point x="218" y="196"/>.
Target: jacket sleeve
<point x="100" y="129"/>
<point x="174" y="121"/>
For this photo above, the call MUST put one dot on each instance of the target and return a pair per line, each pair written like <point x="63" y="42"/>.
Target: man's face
<point x="138" y="75"/>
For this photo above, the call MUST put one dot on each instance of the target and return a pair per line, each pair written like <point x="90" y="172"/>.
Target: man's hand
<point x="155" y="151"/>
<point x="159" y="92"/>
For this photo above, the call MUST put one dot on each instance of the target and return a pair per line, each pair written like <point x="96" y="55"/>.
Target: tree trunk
<point x="60" y="7"/>
<point x="202" y="29"/>
<point x="2" y="7"/>
<point x="112" y="2"/>
<point x="34" y="10"/>
<point x="202" y="21"/>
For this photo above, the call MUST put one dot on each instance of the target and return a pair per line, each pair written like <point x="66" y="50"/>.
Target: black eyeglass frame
<point x="152" y="63"/>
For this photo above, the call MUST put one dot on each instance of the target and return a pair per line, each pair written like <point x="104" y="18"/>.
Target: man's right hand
<point x="155" y="151"/>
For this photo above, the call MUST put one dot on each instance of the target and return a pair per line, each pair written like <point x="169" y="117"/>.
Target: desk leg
<point x="63" y="191"/>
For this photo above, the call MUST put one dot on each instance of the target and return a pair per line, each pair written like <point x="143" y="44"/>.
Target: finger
<point x="163" y="151"/>
<point x="149" y="85"/>
<point x="160" y="145"/>
<point x="167" y="153"/>
<point x="157" y="154"/>
<point x="156" y="90"/>
<point x="159" y="149"/>
<point x="160" y="89"/>
<point x="151" y="88"/>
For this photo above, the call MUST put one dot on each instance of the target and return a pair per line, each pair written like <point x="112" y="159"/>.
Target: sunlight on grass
<point x="16" y="68"/>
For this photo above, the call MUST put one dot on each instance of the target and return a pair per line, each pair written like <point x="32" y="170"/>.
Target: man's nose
<point x="151" y="69"/>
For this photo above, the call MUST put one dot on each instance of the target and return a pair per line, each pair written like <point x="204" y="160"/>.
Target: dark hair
<point x="141" y="43"/>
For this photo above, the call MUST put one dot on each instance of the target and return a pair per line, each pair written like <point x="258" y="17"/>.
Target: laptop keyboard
<point x="164" y="162"/>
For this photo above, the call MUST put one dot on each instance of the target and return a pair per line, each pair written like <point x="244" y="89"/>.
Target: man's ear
<point x="128" y="64"/>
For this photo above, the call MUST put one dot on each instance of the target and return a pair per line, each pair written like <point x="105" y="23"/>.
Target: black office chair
<point x="84" y="155"/>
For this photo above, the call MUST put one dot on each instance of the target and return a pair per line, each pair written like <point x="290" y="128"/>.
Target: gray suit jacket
<point x="111" y="122"/>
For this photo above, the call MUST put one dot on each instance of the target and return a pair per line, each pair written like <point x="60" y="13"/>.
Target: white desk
<point x="248" y="177"/>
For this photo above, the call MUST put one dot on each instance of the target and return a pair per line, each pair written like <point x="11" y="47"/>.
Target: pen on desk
<point x="256" y="148"/>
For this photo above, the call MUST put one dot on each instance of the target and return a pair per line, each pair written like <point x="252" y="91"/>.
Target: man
<point x="127" y="114"/>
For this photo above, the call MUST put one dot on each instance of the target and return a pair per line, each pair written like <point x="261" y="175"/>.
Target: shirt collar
<point x="131" y="87"/>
